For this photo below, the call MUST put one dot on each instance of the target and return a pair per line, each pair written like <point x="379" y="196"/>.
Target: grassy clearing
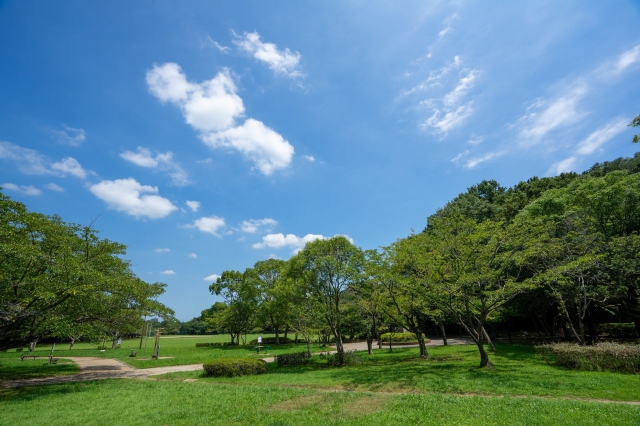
<point x="138" y="402"/>
<point x="453" y="369"/>
<point x="14" y="368"/>
<point x="181" y="350"/>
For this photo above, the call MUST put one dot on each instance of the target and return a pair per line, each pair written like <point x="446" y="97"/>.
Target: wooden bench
<point x="25" y="356"/>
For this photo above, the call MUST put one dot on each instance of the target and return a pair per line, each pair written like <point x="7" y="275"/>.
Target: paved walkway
<point x="93" y="368"/>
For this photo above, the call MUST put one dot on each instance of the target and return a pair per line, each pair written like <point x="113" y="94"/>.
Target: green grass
<point x="137" y="402"/>
<point x="14" y="368"/>
<point x="518" y="370"/>
<point x="387" y="388"/>
<point x="181" y="349"/>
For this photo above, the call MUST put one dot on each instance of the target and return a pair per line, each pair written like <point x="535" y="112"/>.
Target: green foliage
<point x="61" y="280"/>
<point x="600" y="357"/>
<point x="400" y="337"/>
<point x="339" y="359"/>
<point x="234" y="367"/>
<point x="618" y="329"/>
<point x="204" y="345"/>
<point x="294" y="359"/>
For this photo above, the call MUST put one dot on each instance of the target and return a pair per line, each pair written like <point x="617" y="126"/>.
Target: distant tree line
<point x="60" y="280"/>
<point x="560" y="253"/>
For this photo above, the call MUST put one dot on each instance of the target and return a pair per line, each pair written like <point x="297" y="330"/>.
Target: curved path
<point x="93" y="368"/>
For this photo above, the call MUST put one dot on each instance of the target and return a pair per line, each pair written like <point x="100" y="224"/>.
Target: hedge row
<point x="271" y="341"/>
<point x="344" y="358"/>
<point x="615" y="329"/>
<point x="601" y="357"/>
<point x="400" y="337"/>
<point x="200" y="345"/>
<point x="290" y="360"/>
<point x="234" y="367"/>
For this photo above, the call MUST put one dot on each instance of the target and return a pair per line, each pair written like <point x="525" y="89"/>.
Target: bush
<point x="290" y="360"/>
<point x="19" y="349"/>
<point x="601" y="357"/>
<point x="400" y="337"/>
<point x="614" y="329"/>
<point x="200" y="345"/>
<point x="344" y="358"/>
<point x="271" y="341"/>
<point x="234" y="367"/>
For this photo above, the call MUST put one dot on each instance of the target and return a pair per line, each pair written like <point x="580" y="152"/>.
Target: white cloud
<point x="210" y="225"/>
<point x="257" y="142"/>
<point x="193" y="205"/>
<point x="69" y="136"/>
<point x="472" y="162"/>
<point x="450" y="120"/>
<point x="475" y="140"/>
<point x="31" y="162"/>
<point x="125" y="195"/>
<point x="212" y="278"/>
<point x="162" y="250"/>
<point x="552" y="115"/>
<point x="54" y="187"/>
<point x="24" y="189"/>
<point x="252" y="225"/>
<point x="621" y="63"/>
<point x="212" y="108"/>
<point x="601" y="136"/>
<point x="464" y="85"/>
<point x="563" y="166"/>
<point x="212" y="42"/>
<point x="70" y="166"/>
<point x="193" y="255"/>
<point x="310" y="158"/>
<point x="282" y="62"/>
<point x="144" y="158"/>
<point x="279" y="241"/>
<point x="28" y="161"/>
<point x="168" y="272"/>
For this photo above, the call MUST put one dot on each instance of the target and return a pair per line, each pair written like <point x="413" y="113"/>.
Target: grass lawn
<point x="387" y="388"/>
<point x="181" y="349"/>
<point x="14" y="368"/>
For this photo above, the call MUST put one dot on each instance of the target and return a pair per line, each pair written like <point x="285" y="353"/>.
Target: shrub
<point x="600" y="357"/>
<point x="19" y="349"/>
<point x="200" y="345"/>
<point x="400" y="337"/>
<point x="234" y="367"/>
<point x="615" y="329"/>
<point x="344" y="358"/>
<point x="271" y="341"/>
<point x="290" y="360"/>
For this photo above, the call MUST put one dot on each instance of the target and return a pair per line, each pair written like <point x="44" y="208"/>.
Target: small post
<point x="156" y="348"/>
<point x="51" y="354"/>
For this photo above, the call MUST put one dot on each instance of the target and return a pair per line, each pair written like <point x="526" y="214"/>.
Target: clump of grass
<point x="601" y="357"/>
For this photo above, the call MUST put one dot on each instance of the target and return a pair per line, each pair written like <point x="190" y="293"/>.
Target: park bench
<point x="25" y="356"/>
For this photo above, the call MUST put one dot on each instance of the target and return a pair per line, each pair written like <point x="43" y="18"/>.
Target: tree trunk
<point x="443" y="333"/>
<point x="296" y="339"/>
<point x="486" y="336"/>
<point x="277" y="335"/>
<point x="369" y="342"/>
<point x="593" y="336"/>
<point x="423" y="348"/>
<point x="637" y="324"/>
<point x="33" y="344"/>
<point x="73" y="340"/>
<point x="509" y="331"/>
<point x="286" y="330"/>
<point x="308" y="339"/>
<point x="484" y="356"/>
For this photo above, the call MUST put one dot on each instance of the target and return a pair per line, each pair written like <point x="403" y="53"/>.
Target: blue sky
<point x="207" y="135"/>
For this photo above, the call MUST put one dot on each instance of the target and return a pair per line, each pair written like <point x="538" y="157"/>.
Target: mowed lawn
<point x="179" y="350"/>
<point x="386" y="388"/>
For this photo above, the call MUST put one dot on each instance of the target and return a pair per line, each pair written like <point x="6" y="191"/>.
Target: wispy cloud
<point x="253" y="225"/>
<point x="193" y="255"/>
<point x="54" y="187"/>
<point x="212" y="42"/>
<point x="31" y="162"/>
<point x="23" y="189"/>
<point x="470" y="161"/>
<point x="282" y="62"/>
<point x="69" y="136"/>
<point x="168" y="272"/>
<point x="162" y="250"/>
<point x="162" y="161"/>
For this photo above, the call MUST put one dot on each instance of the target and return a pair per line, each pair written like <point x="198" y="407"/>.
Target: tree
<point x="635" y="123"/>
<point x="241" y="298"/>
<point x="329" y="267"/>
<point x="274" y="309"/>
<point x="61" y="280"/>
